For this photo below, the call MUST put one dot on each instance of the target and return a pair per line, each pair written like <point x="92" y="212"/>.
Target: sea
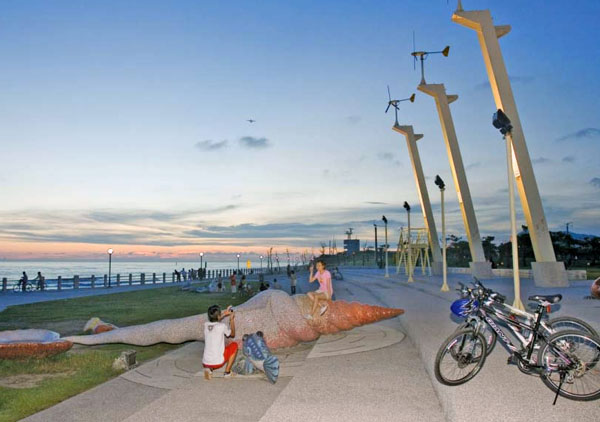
<point x="13" y="270"/>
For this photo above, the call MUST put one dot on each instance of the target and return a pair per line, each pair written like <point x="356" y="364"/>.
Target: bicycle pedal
<point x="512" y="360"/>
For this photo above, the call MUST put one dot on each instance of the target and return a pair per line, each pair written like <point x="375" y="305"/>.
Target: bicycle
<point x="29" y="287"/>
<point x="497" y="301"/>
<point x="566" y="361"/>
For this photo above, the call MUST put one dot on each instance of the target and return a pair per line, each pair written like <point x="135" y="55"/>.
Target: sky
<point x="124" y="124"/>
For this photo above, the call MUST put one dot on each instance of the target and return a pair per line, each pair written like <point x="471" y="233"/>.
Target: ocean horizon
<point x="12" y="270"/>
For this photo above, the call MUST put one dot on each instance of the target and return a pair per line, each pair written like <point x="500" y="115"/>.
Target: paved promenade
<point x="388" y="377"/>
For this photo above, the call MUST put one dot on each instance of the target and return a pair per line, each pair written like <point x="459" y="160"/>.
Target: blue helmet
<point x="464" y="307"/>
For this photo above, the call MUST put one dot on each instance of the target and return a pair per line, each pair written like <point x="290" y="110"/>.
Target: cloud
<point x="595" y="182"/>
<point x="587" y="133"/>
<point x="473" y="165"/>
<point x="389" y="157"/>
<point x="541" y="160"/>
<point x="513" y="79"/>
<point x="353" y="119"/>
<point x="255" y="143"/>
<point x="209" y="145"/>
<point x="568" y="159"/>
<point x="375" y="203"/>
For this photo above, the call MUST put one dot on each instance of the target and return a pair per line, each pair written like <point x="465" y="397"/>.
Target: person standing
<point x="40" y="281"/>
<point x="293" y="281"/>
<point x="233" y="283"/>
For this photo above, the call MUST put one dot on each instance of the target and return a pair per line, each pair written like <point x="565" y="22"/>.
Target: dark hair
<point x="322" y="262"/>
<point x="213" y="313"/>
<point x="293" y="272"/>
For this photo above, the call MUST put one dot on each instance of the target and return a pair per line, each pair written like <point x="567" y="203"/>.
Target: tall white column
<point x="413" y="152"/>
<point x="445" y="287"/>
<point x="479" y="267"/>
<point x="547" y="272"/>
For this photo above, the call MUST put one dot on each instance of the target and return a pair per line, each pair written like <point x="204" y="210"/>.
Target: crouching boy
<point x="215" y="353"/>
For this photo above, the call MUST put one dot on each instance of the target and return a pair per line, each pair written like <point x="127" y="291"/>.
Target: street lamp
<point x="502" y="122"/>
<point x="409" y="260"/>
<point x="201" y="267"/>
<point x="238" y="257"/>
<point x="376" y="257"/>
<point x="261" y="258"/>
<point x="110" y="252"/>
<point x="440" y="184"/>
<point x="387" y="274"/>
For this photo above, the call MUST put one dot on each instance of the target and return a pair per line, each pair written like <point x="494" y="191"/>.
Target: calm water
<point x="13" y="269"/>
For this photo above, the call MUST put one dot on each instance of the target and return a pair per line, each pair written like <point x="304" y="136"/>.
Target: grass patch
<point x="85" y="367"/>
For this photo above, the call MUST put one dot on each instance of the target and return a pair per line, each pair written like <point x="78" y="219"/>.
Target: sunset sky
<point x="123" y="124"/>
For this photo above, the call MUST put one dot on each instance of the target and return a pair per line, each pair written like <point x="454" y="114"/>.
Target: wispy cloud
<point x="473" y="165"/>
<point x="255" y="143"/>
<point x="353" y="119"/>
<point x="595" y="182"/>
<point x="513" y="79"/>
<point x="209" y="145"/>
<point x="389" y="157"/>
<point x="375" y="203"/>
<point x="568" y="159"/>
<point x="586" y="133"/>
<point x="541" y="160"/>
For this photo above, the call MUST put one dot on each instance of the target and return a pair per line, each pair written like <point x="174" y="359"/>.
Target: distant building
<point x="351" y="246"/>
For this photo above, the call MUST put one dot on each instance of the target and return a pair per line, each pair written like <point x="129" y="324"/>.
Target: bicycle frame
<point x="484" y="315"/>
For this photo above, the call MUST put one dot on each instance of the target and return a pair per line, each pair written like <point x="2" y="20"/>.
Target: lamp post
<point x="376" y="257"/>
<point x="387" y="274"/>
<point x="238" y="267"/>
<point x="261" y="258"/>
<point x="502" y="122"/>
<point x="201" y="275"/>
<point x="440" y="184"/>
<point x="409" y="260"/>
<point x="110" y="252"/>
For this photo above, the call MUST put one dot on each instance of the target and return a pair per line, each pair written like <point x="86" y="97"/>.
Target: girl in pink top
<point x="325" y="291"/>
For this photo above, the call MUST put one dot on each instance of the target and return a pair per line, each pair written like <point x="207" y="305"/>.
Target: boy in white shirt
<point x="215" y="353"/>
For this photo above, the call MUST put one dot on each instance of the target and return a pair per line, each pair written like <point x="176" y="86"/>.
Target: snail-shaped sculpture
<point x="280" y="317"/>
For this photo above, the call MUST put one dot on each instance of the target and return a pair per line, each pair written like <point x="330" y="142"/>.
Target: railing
<point x="137" y="279"/>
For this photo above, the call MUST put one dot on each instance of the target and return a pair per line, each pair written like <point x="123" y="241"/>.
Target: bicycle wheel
<point x="460" y="357"/>
<point x="29" y="287"/>
<point x="17" y="288"/>
<point x="575" y="355"/>
<point x="489" y="335"/>
<point x="570" y="323"/>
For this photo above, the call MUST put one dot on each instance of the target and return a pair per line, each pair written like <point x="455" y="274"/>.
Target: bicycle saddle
<point x="546" y="298"/>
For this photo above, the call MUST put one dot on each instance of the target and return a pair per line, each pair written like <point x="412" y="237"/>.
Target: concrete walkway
<point x="371" y="373"/>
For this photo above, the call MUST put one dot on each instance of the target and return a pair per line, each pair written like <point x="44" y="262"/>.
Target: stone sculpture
<point x="279" y="316"/>
<point x="33" y="343"/>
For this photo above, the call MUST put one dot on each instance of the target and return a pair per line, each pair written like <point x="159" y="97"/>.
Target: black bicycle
<point x="566" y="360"/>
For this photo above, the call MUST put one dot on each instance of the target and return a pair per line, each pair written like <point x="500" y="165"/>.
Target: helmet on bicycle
<point x="464" y="307"/>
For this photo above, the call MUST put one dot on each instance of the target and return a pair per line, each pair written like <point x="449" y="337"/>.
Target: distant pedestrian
<point x="178" y="275"/>
<point x="293" y="281"/>
<point x="276" y="284"/>
<point x="289" y="270"/>
<point x="184" y="274"/>
<point x="233" y="283"/>
<point x="40" y="281"/>
<point x="242" y="285"/>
